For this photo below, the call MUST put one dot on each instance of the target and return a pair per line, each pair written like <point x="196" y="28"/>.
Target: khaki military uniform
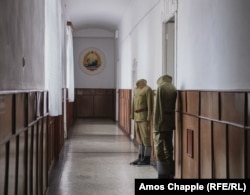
<point x="141" y="113"/>
<point x="164" y="124"/>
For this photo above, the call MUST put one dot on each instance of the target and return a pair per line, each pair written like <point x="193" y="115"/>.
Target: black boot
<point x="140" y="156"/>
<point x="145" y="161"/>
<point x="147" y="154"/>
<point x="165" y="170"/>
<point x="135" y="162"/>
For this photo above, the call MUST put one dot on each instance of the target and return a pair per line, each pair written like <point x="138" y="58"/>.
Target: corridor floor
<point x="95" y="161"/>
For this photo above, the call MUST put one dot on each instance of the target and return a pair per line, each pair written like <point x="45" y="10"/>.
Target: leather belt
<point x="141" y="110"/>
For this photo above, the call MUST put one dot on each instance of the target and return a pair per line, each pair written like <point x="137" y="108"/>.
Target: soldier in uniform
<point x="141" y="113"/>
<point x="164" y="124"/>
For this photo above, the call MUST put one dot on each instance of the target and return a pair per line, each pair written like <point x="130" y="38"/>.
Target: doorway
<point x="169" y="67"/>
<point x="169" y="48"/>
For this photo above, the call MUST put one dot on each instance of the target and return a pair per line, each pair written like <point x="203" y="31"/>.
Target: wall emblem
<point x="92" y="61"/>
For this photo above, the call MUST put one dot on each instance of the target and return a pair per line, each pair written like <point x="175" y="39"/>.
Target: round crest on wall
<point x="92" y="61"/>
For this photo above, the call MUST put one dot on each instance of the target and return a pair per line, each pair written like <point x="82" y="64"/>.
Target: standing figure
<point x="164" y="124"/>
<point x="141" y="113"/>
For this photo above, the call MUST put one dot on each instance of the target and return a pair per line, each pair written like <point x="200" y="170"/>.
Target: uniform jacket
<point x="142" y="104"/>
<point x="164" y="116"/>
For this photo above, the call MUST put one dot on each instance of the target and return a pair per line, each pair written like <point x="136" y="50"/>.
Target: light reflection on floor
<point x="95" y="161"/>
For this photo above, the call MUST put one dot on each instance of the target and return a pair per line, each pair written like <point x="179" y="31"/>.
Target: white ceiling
<point x="104" y="14"/>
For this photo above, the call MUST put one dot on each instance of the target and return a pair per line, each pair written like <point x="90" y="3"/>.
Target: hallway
<point x="95" y="161"/>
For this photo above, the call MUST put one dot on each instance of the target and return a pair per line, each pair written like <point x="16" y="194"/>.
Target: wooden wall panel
<point x="248" y="110"/>
<point x="58" y="136"/>
<point x="248" y="136"/>
<point x="182" y="101"/>
<point x="21" y="164"/>
<point x="34" y="162"/>
<point x="2" y="167"/>
<point x="12" y="166"/>
<point x="248" y="155"/>
<point x="205" y="149"/>
<point x="190" y="164"/>
<point x="193" y="102"/>
<point x="223" y="141"/>
<point x="236" y="152"/>
<point x="5" y="116"/>
<point x="103" y="106"/>
<point x="31" y="107"/>
<point x="45" y="155"/>
<point x="95" y="103"/>
<point x="178" y="145"/>
<point x="210" y="104"/>
<point x="24" y="143"/>
<point x="70" y="115"/>
<point x="20" y="102"/>
<point x="85" y="106"/>
<point x="102" y="92"/>
<point x="30" y="135"/>
<point x="232" y="107"/>
<point x="39" y="157"/>
<point x="87" y="91"/>
<point x="219" y="151"/>
<point x="40" y="103"/>
<point x="125" y="110"/>
<point x="50" y="142"/>
<point x="46" y="102"/>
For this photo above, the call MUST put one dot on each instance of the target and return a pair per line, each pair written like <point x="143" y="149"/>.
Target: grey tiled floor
<point x="95" y="161"/>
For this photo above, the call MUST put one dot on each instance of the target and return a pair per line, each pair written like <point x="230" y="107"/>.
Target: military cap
<point x="141" y="82"/>
<point x="164" y="78"/>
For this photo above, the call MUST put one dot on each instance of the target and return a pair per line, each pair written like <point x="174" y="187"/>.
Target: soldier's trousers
<point x="142" y="133"/>
<point x="163" y="144"/>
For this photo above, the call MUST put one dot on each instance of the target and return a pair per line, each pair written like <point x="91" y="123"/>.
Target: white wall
<point x="212" y="43"/>
<point x="22" y="45"/>
<point x="103" y="41"/>
<point x="141" y="41"/>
